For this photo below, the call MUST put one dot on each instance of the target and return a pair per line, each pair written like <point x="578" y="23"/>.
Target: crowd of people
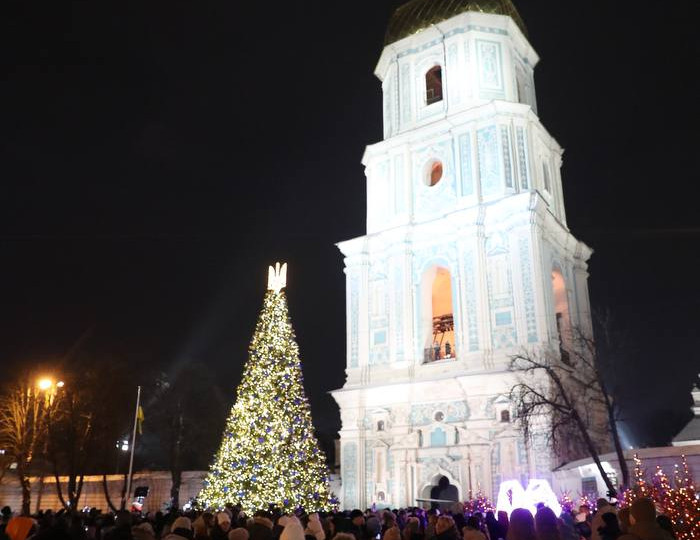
<point x="638" y="522"/>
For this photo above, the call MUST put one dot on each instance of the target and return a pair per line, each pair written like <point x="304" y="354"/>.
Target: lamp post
<point x="50" y="389"/>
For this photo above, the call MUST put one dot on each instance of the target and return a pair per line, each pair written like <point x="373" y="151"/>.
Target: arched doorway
<point x="441" y="492"/>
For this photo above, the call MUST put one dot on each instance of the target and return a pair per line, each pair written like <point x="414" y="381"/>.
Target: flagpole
<point x="133" y="444"/>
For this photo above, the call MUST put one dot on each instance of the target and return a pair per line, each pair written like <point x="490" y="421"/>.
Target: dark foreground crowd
<point x="639" y="522"/>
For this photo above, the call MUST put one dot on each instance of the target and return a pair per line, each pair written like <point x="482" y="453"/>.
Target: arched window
<point x="438" y="318"/>
<point x="433" y="173"/>
<point x="433" y="85"/>
<point x="505" y="416"/>
<point x="546" y="179"/>
<point x="561" y="312"/>
<point x="380" y="425"/>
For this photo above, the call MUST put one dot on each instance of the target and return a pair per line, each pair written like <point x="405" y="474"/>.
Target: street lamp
<point x="49" y="387"/>
<point x="44" y="384"/>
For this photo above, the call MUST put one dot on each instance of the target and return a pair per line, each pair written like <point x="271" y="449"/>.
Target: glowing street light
<point x="45" y="384"/>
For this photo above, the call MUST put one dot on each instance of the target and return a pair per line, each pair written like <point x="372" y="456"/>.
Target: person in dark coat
<point x="610" y="530"/>
<point x="494" y="528"/>
<point x="522" y="525"/>
<point x="122" y="527"/>
<point x="359" y="529"/>
<point x="445" y="529"/>
<point x="644" y="525"/>
<point x="262" y="526"/>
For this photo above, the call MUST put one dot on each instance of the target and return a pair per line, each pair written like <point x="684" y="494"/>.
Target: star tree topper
<point x="277" y="277"/>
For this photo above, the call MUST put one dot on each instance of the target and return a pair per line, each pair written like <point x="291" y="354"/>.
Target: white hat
<point x="182" y="523"/>
<point x="293" y="531"/>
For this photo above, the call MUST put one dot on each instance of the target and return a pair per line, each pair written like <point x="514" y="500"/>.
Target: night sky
<point x="156" y="156"/>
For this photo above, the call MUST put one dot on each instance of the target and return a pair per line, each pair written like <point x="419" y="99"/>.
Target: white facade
<point x="472" y="260"/>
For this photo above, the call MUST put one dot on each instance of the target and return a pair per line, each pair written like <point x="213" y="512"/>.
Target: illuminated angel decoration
<point x="277" y="277"/>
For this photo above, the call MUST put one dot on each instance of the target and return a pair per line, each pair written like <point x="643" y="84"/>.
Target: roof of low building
<point x="690" y="433"/>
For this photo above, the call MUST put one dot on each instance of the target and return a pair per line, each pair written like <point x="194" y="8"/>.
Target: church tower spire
<point x="467" y="259"/>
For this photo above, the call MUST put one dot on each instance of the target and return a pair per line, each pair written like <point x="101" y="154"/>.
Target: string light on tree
<point x="269" y="454"/>
<point x="680" y="502"/>
<point x="566" y="502"/>
<point x="478" y="503"/>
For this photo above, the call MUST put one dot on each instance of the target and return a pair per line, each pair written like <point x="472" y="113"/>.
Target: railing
<point x="436" y="354"/>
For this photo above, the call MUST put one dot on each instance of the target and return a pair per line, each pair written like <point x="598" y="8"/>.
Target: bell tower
<point x="467" y="259"/>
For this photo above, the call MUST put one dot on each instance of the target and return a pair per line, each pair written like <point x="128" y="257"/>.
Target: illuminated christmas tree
<point x="269" y="454"/>
<point x="566" y="502"/>
<point x="478" y="503"/>
<point x="680" y="502"/>
<point x="682" y="505"/>
<point x="640" y="487"/>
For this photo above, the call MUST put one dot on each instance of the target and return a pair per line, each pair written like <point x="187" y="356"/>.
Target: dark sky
<point x="155" y="157"/>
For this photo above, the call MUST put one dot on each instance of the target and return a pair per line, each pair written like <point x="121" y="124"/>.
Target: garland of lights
<point x="478" y="503"/>
<point x="269" y="454"/>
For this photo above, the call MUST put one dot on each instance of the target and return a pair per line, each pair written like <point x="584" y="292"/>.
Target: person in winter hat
<point x="643" y="523"/>
<point x="287" y="519"/>
<point x="262" y="526"/>
<point x="181" y="529"/>
<point x="602" y="507"/>
<point x="373" y="526"/>
<point x="292" y="531"/>
<point x="143" y="531"/>
<point x="314" y="527"/>
<point x="221" y="527"/>
<point x="239" y="533"/>
<point x="611" y="528"/>
<point x="359" y="529"/>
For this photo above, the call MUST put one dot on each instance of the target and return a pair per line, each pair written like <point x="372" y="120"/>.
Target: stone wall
<point x="44" y="494"/>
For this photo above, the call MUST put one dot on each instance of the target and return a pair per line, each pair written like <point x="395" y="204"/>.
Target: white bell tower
<point x="467" y="259"/>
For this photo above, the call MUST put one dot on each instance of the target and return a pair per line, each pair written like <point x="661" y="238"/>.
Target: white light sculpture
<point x="277" y="277"/>
<point x="511" y="495"/>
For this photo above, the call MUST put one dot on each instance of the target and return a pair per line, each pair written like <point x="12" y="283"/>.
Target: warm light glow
<point x="511" y="495"/>
<point x="277" y="277"/>
<point x="442" y="292"/>
<point x="45" y="384"/>
<point x="60" y="384"/>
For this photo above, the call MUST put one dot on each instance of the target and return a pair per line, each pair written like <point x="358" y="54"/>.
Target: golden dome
<point x="419" y="14"/>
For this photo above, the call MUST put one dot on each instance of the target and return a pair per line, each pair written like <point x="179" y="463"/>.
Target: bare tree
<point x="563" y="393"/>
<point x="70" y="438"/>
<point x="182" y="430"/>
<point x="24" y="413"/>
